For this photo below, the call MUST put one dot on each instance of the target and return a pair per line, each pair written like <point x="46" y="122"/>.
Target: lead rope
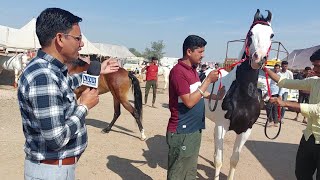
<point x="279" y="110"/>
<point x="212" y="109"/>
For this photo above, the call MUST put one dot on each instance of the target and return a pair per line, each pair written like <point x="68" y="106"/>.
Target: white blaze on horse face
<point x="261" y="42"/>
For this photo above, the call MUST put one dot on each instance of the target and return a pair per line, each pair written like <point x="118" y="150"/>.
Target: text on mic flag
<point x="90" y="80"/>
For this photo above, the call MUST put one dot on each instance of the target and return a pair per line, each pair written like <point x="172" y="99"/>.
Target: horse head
<point x="258" y="40"/>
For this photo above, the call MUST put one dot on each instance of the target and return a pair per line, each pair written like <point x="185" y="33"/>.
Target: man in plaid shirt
<point x="53" y="122"/>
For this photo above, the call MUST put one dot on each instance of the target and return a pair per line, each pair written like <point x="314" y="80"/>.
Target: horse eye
<point x="271" y="36"/>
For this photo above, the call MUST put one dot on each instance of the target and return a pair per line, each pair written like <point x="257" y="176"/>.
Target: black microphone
<point x="91" y="79"/>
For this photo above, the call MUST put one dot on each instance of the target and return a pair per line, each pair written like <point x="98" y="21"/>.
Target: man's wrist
<point x="86" y="107"/>
<point x="201" y="92"/>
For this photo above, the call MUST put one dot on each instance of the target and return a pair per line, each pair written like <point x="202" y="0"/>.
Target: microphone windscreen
<point x="94" y="68"/>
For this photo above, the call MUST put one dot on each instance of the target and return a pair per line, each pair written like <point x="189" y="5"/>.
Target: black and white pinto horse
<point x="240" y="109"/>
<point x="15" y="63"/>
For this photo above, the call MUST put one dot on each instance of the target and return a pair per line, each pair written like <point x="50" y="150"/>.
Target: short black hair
<point x="154" y="58"/>
<point x="315" y="56"/>
<point x="52" y="21"/>
<point x="203" y="65"/>
<point x="193" y="42"/>
<point x="276" y="65"/>
<point x="284" y="63"/>
<point x="307" y="68"/>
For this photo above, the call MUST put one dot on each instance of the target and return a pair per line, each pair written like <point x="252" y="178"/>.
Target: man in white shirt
<point x="285" y="73"/>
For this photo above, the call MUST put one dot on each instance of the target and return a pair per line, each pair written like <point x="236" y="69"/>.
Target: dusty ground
<point x="121" y="155"/>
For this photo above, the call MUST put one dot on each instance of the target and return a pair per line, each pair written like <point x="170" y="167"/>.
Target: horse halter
<point x="248" y="42"/>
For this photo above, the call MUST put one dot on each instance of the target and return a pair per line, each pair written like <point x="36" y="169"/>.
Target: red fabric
<point x="152" y="72"/>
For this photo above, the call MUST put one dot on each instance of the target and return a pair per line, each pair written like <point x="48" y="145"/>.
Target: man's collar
<point x="180" y="61"/>
<point x="41" y="54"/>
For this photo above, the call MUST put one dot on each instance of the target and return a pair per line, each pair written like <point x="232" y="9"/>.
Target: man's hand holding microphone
<point x="89" y="98"/>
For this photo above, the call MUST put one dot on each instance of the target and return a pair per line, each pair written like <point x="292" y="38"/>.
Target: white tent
<point x="4" y="30"/>
<point x="19" y="39"/>
<point x="114" y="50"/>
<point x="26" y="38"/>
<point x="89" y="48"/>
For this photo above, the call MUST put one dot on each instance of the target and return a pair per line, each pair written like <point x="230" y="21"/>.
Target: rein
<point x="247" y="53"/>
<point x="278" y="108"/>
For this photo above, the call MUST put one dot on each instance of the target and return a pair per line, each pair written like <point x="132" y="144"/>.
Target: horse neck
<point x="246" y="75"/>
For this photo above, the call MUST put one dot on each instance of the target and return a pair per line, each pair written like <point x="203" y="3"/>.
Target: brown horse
<point x="118" y="83"/>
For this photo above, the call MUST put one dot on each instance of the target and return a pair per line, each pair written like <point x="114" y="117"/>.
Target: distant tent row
<point x="300" y="58"/>
<point x="25" y="38"/>
<point x="114" y="50"/>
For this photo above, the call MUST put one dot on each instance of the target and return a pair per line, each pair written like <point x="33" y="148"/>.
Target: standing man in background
<point x="272" y="109"/>
<point x="285" y="73"/>
<point x="303" y="95"/>
<point x="152" y="80"/>
<point x="202" y="73"/>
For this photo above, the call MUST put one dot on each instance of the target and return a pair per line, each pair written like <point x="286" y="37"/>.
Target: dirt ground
<point x="121" y="155"/>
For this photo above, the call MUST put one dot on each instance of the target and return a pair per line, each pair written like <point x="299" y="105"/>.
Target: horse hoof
<point x="143" y="138"/>
<point x="105" y="130"/>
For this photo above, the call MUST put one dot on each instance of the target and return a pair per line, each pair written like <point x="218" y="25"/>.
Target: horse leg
<point x="126" y="104"/>
<point x="117" y="112"/>
<point x="222" y="126"/>
<point x="16" y="76"/>
<point x="240" y="140"/>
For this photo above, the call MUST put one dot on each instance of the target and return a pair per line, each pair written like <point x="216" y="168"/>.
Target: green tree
<point x="135" y="52"/>
<point x="156" y="50"/>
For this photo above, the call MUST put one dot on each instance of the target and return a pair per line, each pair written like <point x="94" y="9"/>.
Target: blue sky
<point x="136" y="23"/>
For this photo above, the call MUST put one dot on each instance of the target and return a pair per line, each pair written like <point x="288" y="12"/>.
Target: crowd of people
<point x="54" y="122"/>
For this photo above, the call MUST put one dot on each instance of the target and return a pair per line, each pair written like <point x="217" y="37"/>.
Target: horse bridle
<point x="248" y="42"/>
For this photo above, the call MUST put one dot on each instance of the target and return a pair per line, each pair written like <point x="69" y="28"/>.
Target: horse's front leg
<point x="222" y="126"/>
<point x="16" y="77"/>
<point x="117" y="112"/>
<point x="238" y="145"/>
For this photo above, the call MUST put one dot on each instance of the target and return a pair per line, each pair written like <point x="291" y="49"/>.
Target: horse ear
<point x="269" y="17"/>
<point x="257" y="16"/>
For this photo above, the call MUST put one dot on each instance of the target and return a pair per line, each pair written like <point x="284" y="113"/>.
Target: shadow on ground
<point x="155" y="155"/>
<point x="126" y="168"/>
<point x="277" y="158"/>
<point x="101" y="125"/>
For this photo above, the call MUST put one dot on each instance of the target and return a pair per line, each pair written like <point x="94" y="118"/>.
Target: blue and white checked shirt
<point x="53" y="123"/>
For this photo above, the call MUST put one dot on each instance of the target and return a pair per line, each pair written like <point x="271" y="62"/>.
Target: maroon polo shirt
<point x="184" y="79"/>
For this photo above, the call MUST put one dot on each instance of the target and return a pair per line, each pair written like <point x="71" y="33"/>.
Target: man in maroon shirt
<point x="187" y="108"/>
<point x="152" y="79"/>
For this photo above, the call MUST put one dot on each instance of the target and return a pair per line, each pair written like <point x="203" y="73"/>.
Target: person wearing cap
<point x="152" y="80"/>
<point x="308" y="155"/>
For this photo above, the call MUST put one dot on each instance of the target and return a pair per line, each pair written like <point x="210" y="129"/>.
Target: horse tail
<point x="137" y="94"/>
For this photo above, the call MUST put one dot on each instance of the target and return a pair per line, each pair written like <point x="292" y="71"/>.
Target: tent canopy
<point x="25" y="38"/>
<point x="114" y="50"/>
<point x="300" y="58"/>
